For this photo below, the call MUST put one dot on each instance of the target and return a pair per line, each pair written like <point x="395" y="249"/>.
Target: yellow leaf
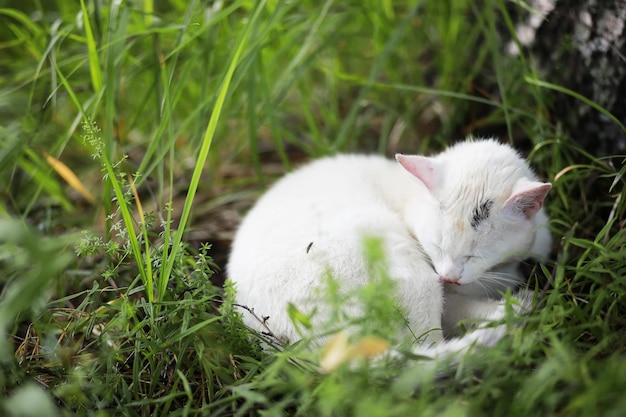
<point x="69" y="177"/>
<point x="338" y="351"/>
<point x="369" y="346"/>
<point x="335" y="352"/>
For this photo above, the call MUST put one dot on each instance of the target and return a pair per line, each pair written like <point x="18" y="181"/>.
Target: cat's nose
<point x="450" y="279"/>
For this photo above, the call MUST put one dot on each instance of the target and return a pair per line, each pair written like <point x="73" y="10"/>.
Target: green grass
<point x="173" y="115"/>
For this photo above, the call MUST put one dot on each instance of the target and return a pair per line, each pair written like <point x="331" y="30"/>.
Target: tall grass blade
<point x="94" y="61"/>
<point x="206" y="145"/>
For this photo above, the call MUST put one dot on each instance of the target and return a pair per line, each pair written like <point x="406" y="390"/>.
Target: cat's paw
<point x="521" y="302"/>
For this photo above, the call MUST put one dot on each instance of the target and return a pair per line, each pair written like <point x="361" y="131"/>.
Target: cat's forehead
<point x="465" y="185"/>
<point x="459" y="196"/>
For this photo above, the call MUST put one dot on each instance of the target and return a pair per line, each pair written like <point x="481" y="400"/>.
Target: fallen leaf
<point x="69" y="177"/>
<point x="335" y="352"/>
<point x="338" y="350"/>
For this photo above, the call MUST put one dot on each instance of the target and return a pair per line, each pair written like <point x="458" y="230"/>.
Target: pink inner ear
<point x="421" y="167"/>
<point x="529" y="200"/>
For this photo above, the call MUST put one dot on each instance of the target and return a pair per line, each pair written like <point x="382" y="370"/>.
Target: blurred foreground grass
<point x="132" y="132"/>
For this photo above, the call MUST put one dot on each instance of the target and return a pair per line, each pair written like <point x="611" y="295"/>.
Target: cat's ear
<point x="423" y="168"/>
<point x="527" y="197"/>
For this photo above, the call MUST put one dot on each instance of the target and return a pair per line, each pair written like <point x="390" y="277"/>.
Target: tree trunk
<point x="581" y="45"/>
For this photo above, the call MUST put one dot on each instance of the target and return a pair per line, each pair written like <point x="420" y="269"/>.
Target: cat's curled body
<point x="454" y="228"/>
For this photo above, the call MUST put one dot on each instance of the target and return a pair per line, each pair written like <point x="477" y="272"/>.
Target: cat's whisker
<point x="498" y="279"/>
<point x="484" y="287"/>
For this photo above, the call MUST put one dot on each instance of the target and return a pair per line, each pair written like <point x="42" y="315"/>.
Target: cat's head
<point x="480" y="209"/>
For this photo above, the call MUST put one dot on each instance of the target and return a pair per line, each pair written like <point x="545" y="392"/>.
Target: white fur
<point x="314" y="220"/>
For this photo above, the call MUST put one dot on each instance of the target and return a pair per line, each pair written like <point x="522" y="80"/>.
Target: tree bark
<point x="580" y="45"/>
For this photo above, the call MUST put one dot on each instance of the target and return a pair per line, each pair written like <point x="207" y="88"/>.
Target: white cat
<point x="454" y="228"/>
